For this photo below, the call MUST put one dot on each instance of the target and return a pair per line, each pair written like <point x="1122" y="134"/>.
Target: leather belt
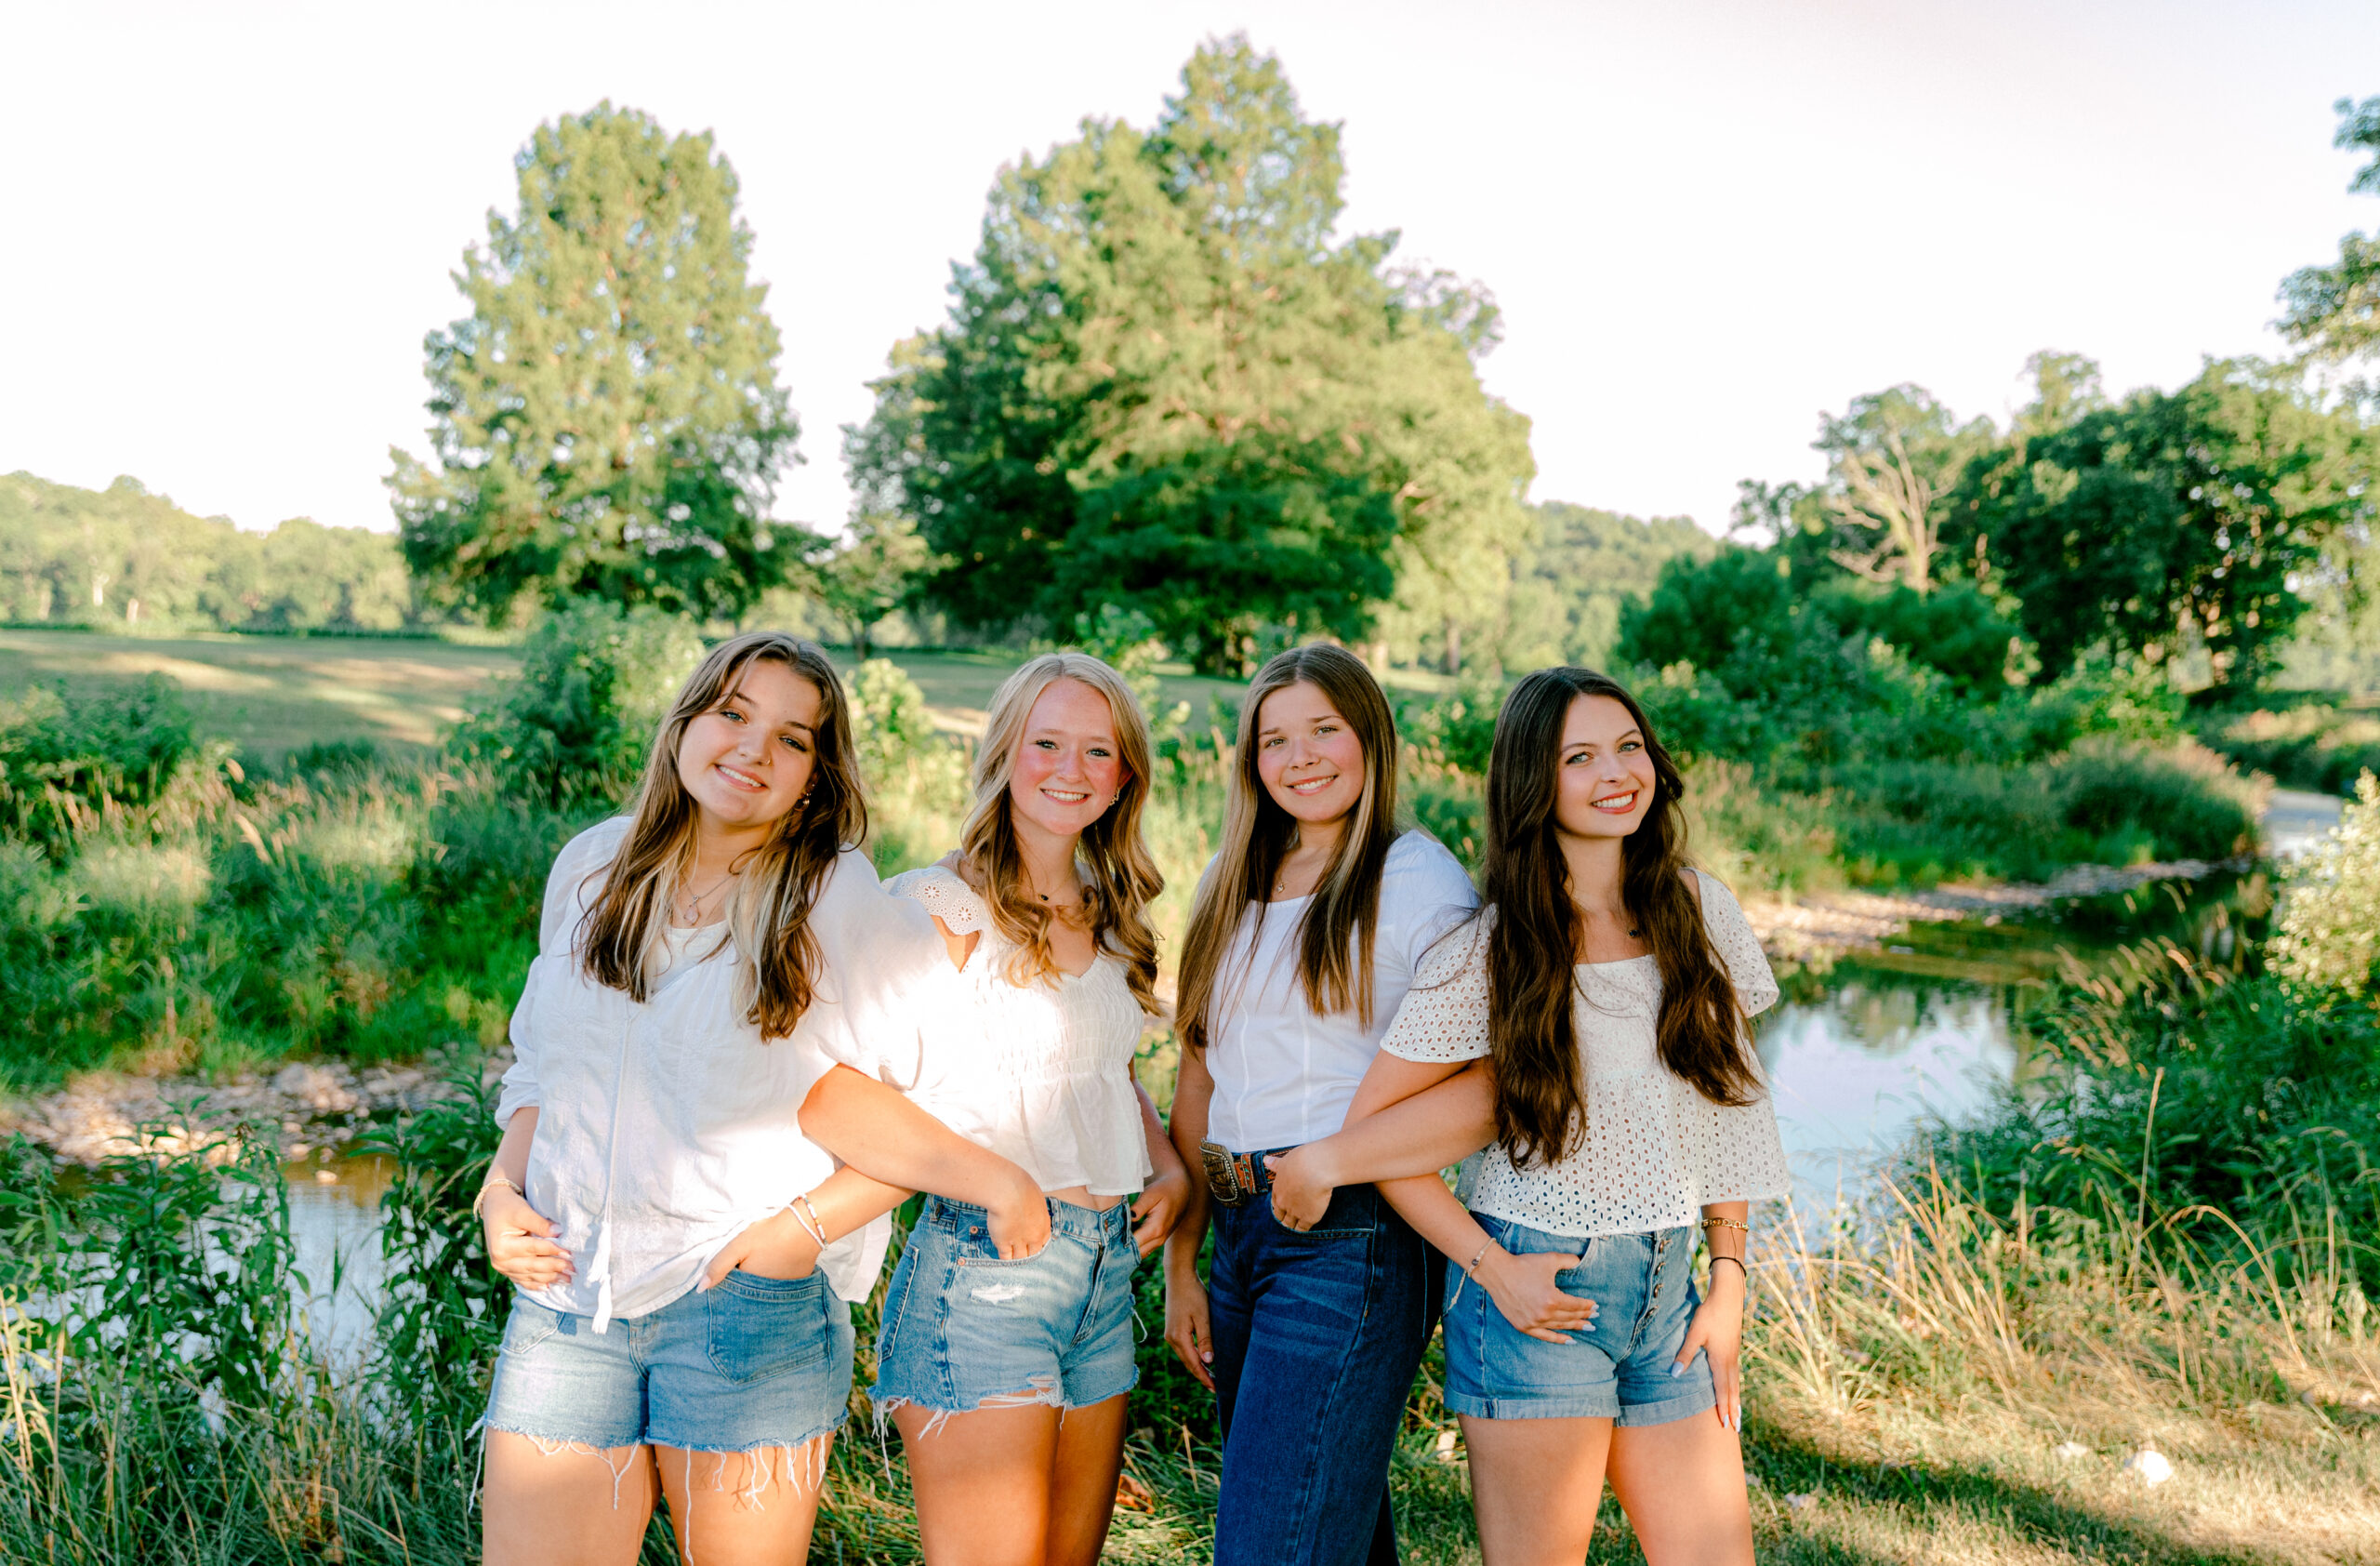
<point x="1232" y="1177"/>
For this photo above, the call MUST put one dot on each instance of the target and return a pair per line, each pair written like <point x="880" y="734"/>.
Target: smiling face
<point x="1604" y="782"/>
<point x="1308" y="755"/>
<point x="748" y="760"/>
<point x="1068" y="767"/>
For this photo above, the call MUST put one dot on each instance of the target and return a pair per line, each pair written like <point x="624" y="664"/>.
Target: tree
<point x="1891" y="499"/>
<point x="868" y="576"/>
<point x="2335" y="311"/>
<point x="1162" y="387"/>
<point x="606" y="420"/>
<point x="1567" y="589"/>
<point x="2169" y="520"/>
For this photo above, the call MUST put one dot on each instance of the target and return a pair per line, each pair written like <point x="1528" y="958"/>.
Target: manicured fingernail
<point x="1677" y="1370"/>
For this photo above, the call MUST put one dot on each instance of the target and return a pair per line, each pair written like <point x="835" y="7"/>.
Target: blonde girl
<point x="1008" y="1376"/>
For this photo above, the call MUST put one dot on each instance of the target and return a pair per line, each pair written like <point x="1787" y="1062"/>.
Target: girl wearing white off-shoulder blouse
<point x="1008" y="1375"/>
<point x="1604" y="991"/>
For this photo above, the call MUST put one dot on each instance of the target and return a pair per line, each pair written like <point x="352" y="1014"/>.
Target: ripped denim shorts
<point x="964" y="1330"/>
<point x="749" y="1363"/>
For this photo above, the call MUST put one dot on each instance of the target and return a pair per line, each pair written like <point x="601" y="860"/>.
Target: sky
<point x="229" y="226"/>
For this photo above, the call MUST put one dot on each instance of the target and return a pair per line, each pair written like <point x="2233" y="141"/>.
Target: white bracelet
<point x="811" y="1224"/>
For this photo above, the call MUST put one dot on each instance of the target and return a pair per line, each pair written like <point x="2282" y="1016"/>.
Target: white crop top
<point x="1040" y="1073"/>
<point x="1656" y="1150"/>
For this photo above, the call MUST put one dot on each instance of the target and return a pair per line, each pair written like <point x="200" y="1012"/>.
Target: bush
<point x="576" y="723"/>
<point x="2329" y="921"/>
<point x="67" y="762"/>
<point x="2315" y="747"/>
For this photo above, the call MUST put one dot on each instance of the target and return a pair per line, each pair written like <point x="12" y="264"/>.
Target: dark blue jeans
<point x="1316" y="1339"/>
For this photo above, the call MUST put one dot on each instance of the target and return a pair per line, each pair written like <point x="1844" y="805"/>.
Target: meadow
<point x="2163" y="1241"/>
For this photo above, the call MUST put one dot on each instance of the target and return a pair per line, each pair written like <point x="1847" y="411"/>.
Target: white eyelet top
<point x="1040" y="1073"/>
<point x="1656" y="1150"/>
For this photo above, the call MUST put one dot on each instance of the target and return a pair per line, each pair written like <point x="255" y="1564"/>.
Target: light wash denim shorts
<point x="749" y="1363"/>
<point x="1617" y="1368"/>
<point x="964" y="1330"/>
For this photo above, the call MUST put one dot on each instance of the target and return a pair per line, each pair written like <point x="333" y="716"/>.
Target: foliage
<point x="867" y="575"/>
<point x="1568" y="588"/>
<point x="577" y="721"/>
<point x="2329" y="923"/>
<point x="607" y="419"/>
<point x="2334" y="311"/>
<point x="2311" y="745"/>
<point x="65" y="765"/>
<point x="124" y="557"/>
<point x="2169" y="521"/>
<point x="1162" y="387"/>
<point x="890" y="716"/>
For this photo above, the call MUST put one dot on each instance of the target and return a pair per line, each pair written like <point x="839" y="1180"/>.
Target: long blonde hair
<point x="770" y="913"/>
<point x="1121" y="879"/>
<point x="1336" y="931"/>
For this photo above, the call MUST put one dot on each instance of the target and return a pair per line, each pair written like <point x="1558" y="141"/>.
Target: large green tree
<point x="2167" y="520"/>
<point x="607" y="419"/>
<point x="1163" y="387"/>
<point x="2335" y="311"/>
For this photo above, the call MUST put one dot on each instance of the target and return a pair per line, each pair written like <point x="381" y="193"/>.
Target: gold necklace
<point x="693" y="908"/>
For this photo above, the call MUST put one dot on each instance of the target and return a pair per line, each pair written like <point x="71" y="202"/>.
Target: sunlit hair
<point x="1119" y="877"/>
<point x="770" y="913"/>
<point x="1336" y="931"/>
<point x="1533" y="944"/>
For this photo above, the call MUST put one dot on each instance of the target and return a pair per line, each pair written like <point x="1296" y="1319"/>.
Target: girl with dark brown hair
<point x="1302" y="941"/>
<point x="1603" y="990"/>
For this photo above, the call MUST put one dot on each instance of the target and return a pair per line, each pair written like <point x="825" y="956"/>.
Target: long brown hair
<point x="1121" y="878"/>
<point x="1335" y="933"/>
<point x="1533" y="946"/>
<point x="770" y="915"/>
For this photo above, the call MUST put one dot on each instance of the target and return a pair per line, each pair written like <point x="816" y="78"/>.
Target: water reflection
<point x="334" y="1219"/>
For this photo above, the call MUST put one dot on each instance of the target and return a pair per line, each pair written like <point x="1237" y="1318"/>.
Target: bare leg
<point x="1682" y="1486"/>
<point x="1534" y="1487"/>
<point x="744" y="1509"/>
<point x="983" y="1482"/>
<point x="1082" y="1485"/>
<point x="545" y="1502"/>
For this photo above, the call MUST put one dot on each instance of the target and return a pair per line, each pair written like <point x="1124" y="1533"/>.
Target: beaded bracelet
<point x="497" y="1181"/>
<point x="812" y="1223"/>
<point x="1726" y="1223"/>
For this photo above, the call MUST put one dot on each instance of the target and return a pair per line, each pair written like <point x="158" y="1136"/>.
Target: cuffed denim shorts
<point x="749" y="1363"/>
<point x="1617" y="1368"/>
<point x="964" y="1330"/>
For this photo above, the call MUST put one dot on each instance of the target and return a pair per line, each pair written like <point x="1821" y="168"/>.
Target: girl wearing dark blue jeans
<point x="1304" y="938"/>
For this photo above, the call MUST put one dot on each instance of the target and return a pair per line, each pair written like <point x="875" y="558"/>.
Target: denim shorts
<point x="1617" y="1368"/>
<point x="749" y="1363"/>
<point x="964" y="1330"/>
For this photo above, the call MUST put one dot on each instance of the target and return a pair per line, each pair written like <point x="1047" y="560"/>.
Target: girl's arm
<point x="519" y="1239"/>
<point x="1167" y="1196"/>
<point x="1187" y="1325"/>
<point x="866" y="1124"/>
<point x="782" y="1245"/>
<point x="1718" y="1327"/>
<point x="1410" y="1120"/>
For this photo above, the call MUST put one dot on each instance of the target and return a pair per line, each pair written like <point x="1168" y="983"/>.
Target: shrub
<point x="575" y="722"/>
<point x="2314" y="746"/>
<point x="2328" y="921"/>
<point x="68" y="762"/>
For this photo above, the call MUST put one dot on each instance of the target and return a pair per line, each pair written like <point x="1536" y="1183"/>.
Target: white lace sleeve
<point x="1445" y="1015"/>
<point x="947" y="897"/>
<point x="1731" y="935"/>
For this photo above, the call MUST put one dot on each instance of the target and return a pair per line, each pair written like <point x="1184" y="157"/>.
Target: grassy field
<point x="270" y="695"/>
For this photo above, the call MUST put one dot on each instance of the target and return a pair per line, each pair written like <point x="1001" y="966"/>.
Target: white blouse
<point x="1041" y="1072"/>
<point x="666" y="1127"/>
<point x="1285" y="1075"/>
<point x="1656" y="1150"/>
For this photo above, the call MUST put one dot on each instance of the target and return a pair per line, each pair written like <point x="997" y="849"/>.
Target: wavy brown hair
<point x="1335" y="933"/>
<point x="1120" y="878"/>
<point x="1533" y="945"/>
<point x="770" y="915"/>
